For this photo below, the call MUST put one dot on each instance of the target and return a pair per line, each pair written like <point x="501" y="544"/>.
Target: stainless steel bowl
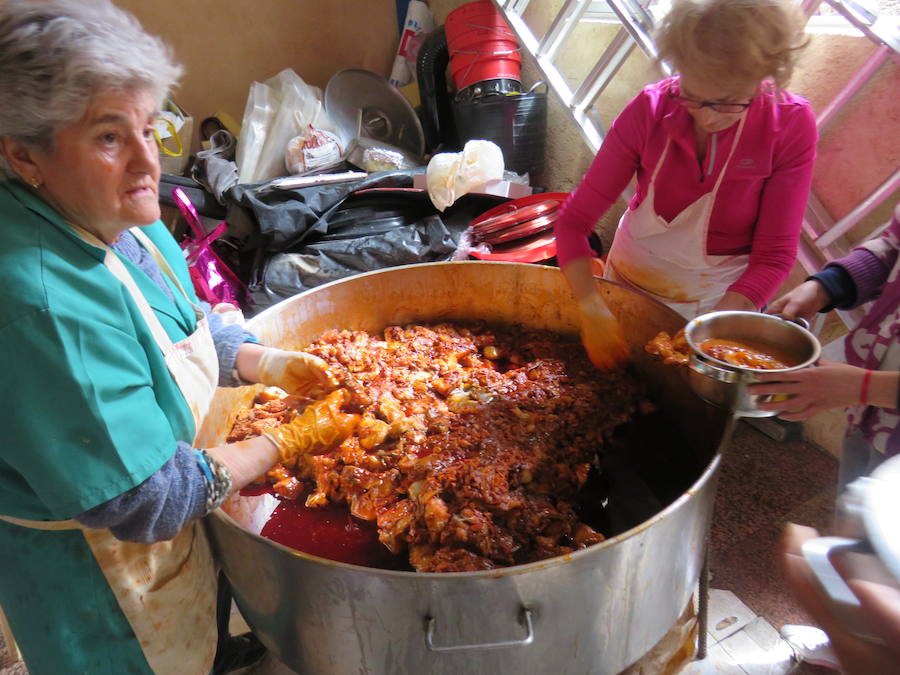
<point x="724" y="384"/>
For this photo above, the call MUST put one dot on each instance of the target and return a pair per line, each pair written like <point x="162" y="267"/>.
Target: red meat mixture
<point x="471" y="445"/>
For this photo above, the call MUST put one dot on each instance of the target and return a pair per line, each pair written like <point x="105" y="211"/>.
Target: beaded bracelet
<point x="217" y="478"/>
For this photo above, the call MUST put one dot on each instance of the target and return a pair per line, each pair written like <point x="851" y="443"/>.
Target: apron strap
<point x="660" y="161"/>
<point x="160" y="260"/>
<point x="118" y="269"/>
<point x="47" y="525"/>
<point x="737" y="138"/>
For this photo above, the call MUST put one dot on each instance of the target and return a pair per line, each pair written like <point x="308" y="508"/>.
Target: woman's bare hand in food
<point x="803" y="393"/>
<point x="801" y="303"/>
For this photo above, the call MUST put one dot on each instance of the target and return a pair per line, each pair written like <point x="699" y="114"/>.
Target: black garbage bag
<point x="313" y="236"/>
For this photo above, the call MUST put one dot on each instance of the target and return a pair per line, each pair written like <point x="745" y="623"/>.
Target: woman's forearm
<point x="884" y="389"/>
<point x="246" y="460"/>
<point x="732" y="300"/>
<point x="579" y="274"/>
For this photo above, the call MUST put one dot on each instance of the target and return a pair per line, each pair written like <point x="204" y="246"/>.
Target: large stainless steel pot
<point x="595" y="611"/>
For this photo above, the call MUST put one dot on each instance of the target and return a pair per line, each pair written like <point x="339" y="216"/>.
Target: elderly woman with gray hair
<point x="109" y="361"/>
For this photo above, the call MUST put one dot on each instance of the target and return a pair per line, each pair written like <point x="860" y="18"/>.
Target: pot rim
<point x="711" y="361"/>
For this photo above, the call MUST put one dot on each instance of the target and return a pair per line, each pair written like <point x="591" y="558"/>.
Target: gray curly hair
<point x="56" y="55"/>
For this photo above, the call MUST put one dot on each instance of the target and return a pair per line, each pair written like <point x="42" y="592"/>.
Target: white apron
<point x="167" y="590"/>
<point x="668" y="260"/>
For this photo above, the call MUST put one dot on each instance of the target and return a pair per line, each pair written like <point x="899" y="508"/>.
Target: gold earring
<point x="35" y="183"/>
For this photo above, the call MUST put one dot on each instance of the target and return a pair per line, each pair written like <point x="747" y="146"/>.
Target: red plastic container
<point x="479" y="15"/>
<point x="534" y="248"/>
<point x="468" y="69"/>
<point x="481" y="45"/>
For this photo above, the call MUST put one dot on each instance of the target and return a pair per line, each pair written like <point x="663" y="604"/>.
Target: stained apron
<point x="667" y="259"/>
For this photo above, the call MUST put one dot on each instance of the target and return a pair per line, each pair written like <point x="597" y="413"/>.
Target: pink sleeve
<point x="609" y="174"/>
<point x="782" y="206"/>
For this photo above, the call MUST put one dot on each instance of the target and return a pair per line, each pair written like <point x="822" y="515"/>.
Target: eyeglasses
<point x="693" y="104"/>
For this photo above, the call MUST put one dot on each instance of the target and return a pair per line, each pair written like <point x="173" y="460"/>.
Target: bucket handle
<point x="539" y="83"/>
<point x="527" y="640"/>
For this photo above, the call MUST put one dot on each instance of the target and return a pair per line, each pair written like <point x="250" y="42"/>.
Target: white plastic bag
<point x="279" y="109"/>
<point x="450" y="175"/>
<point x="258" y="114"/>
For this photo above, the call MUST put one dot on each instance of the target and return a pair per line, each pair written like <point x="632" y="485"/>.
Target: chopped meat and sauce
<point x="675" y="350"/>
<point x="471" y="442"/>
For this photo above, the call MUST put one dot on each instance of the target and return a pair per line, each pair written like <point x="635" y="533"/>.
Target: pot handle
<point x="527" y="640"/>
<point x="799" y="320"/>
<point x="817" y="552"/>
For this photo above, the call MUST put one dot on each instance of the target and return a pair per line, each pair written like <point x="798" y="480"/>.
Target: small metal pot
<point x="725" y="385"/>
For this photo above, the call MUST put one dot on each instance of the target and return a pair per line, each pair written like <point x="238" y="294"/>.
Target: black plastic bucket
<point x="515" y="122"/>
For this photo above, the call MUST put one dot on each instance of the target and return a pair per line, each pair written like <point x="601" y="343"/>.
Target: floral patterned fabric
<point x="874" y="344"/>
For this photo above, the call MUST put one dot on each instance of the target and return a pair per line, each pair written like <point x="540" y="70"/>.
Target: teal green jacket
<point x="89" y="411"/>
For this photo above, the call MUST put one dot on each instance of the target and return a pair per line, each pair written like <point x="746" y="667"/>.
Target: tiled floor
<point x="763" y="484"/>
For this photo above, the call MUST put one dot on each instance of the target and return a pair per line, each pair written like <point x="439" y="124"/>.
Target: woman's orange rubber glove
<point x="319" y="428"/>
<point x="601" y="333"/>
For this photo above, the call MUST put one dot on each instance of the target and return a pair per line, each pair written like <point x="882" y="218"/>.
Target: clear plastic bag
<point x="258" y="114"/>
<point x="277" y="110"/>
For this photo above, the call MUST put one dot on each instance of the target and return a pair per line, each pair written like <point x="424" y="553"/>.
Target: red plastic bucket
<point x="481" y="45"/>
<point x="477" y="68"/>
<point x="477" y="16"/>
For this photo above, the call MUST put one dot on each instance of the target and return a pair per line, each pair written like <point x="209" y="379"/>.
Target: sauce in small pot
<point x="744" y="355"/>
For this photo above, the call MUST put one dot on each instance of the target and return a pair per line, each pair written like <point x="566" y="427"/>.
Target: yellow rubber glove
<point x="601" y="333"/>
<point x="319" y="428"/>
<point x="297" y="373"/>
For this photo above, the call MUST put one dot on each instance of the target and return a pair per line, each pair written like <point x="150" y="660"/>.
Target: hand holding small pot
<point x="800" y="394"/>
<point x="802" y="302"/>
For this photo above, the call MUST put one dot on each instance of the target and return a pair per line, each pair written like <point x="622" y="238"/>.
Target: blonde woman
<point x="723" y="157"/>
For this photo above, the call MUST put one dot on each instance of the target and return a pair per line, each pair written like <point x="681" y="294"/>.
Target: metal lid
<point x="363" y="104"/>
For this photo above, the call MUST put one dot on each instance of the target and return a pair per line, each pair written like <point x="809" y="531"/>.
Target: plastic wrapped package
<point x="452" y="174"/>
<point x="313" y="151"/>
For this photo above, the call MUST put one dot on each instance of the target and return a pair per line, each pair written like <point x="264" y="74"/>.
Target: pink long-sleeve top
<point x="760" y="204"/>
